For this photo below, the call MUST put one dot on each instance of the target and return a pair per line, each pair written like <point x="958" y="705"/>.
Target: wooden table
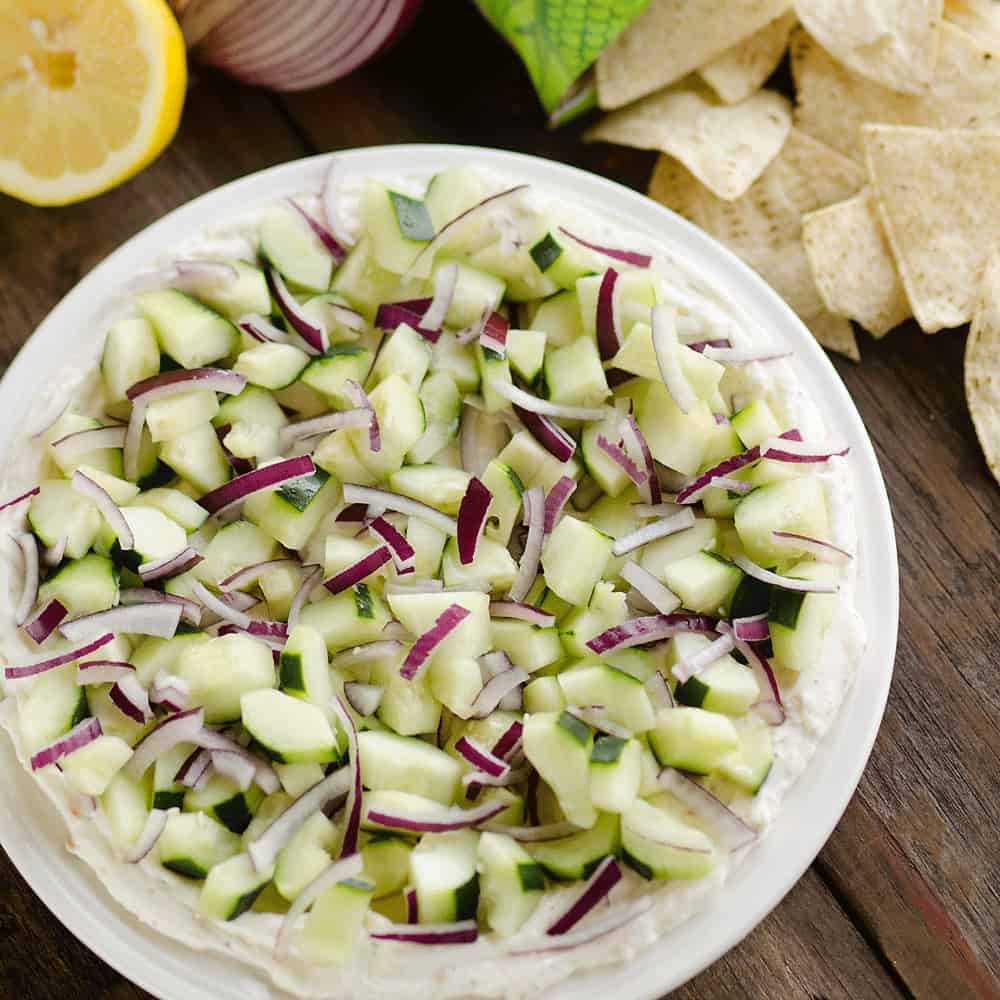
<point x="904" y="900"/>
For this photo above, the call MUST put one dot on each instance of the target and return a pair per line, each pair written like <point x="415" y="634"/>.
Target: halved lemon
<point x="90" y="92"/>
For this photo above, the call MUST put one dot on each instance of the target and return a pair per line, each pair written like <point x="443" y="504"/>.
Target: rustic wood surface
<point x="904" y="900"/>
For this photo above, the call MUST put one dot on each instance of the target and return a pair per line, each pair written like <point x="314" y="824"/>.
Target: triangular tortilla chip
<point x="764" y="227"/>
<point x="939" y="197"/>
<point x="726" y="146"/>
<point x="741" y="70"/>
<point x="980" y="18"/>
<point x="852" y="264"/>
<point x="672" y="38"/>
<point x="833" y="103"/>
<point x="893" y="42"/>
<point x="982" y="366"/>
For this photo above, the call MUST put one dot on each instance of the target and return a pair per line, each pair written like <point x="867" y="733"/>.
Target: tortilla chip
<point x="893" y="42"/>
<point x="764" y="227"/>
<point x="982" y="365"/>
<point x="741" y="70"/>
<point x="980" y="18"/>
<point x="833" y="102"/>
<point x="672" y="38"/>
<point x="939" y="197"/>
<point x="726" y="146"/>
<point x="852" y="264"/>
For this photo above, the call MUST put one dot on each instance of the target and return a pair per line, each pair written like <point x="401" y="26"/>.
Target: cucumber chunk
<point x="469" y="639"/>
<point x="529" y="646"/>
<point x="533" y="465"/>
<point x="799" y="621"/>
<point x="692" y="739"/>
<point x="606" y="608"/>
<point x="702" y="536"/>
<point x="180" y="508"/>
<point x="193" y="843"/>
<point x="236" y="545"/>
<point x="659" y="845"/>
<point x="292" y="512"/>
<point x="407" y="707"/>
<point x="58" y="511"/>
<point x="223" y="799"/>
<point x="189" y="332"/>
<point x="436" y="485"/>
<point x="287" y="729"/>
<point x="624" y="698"/>
<point x="334" y="923"/>
<point x="220" y="671"/>
<point x="231" y="888"/>
<point x="405" y="353"/>
<point x="558" y="747"/>
<point x="303" y="667"/>
<point x="705" y="582"/>
<point x="83" y="585"/>
<point x="406" y="764"/>
<point x="305" y="856"/>
<point x="272" y="366"/>
<point x="167" y="793"/>
<point x="90" y="769"/>
<point x="798" y="505"/>
<point x="755" y="423"/>
<point x="575" y="857"/>
<point x="288" y="243"/>
<point x="386" y="859"/>
<point x="347" y="619"/>
<point x="725" y="686"/>
<point x="574" y="559"/>
<point x="615" y="773"/>
<point x="124" y="806"/>
<point x="493" y="564"/>
<point x="526" y="351"/>
<point x="749" y="765"/>
<point x="53" y="706"/>
<point x="131" y="354"/>
<point x="574" y="374"/>
<point x="678" y="440"/>
<point x="507" y="489"/>
<point x="512" y="882"/>
<point x="443" y="873"/>
<point x="197" y="457"/>
<point x="544" y="694"/>
<point x="175" y="415"/>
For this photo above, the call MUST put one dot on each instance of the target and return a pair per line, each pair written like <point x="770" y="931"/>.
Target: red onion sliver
<point x="111" y="512"/>
<point x="699" y="346"/>
<point x="730" y="484"/>
<point x="251" y="574"/>
<point x="393" y="314"/>
<point x="311" y="575"/>
<point x="461" y="932"/>
<point x="131" y="699"/>
<point x="360" y="399"/>
<point x="159" y="569"/>
<point x="373" y="497"/>
<point x="185" y="379"/>
<point x="730" y="830"/>
<point x="764" y="674"/>
<point x="420" y="652"/>
<point x="353" y="809"/>
<point x="753" y="628"/>
<point x="34" y="491"/>
<point x="172" y="694"/>
<point x="611" y="920"/>
<point x="253" y="482"/>
<point x="554" y="439"/>
<point x="79" y="736"/>
<point x="194" y="769"/>
<point x="45" y="621"/>
<point x="412" y="909"/>
<point x="780" y="449"/>
<point x="363" y="698"/>
<point x="635" y="441"/>
<point x="665" y="348"/>
<point x="262" y="329"/>
<point x="313" y="335"/>
<point x="626" y="256"/>
<point x="29" y="588"/>
<point x="785" y="582"/>
<point x="72" y="446"/>
<point x="770" y="711"/>
<point x="533" y="404"/>
<point x="595" y="716"/>
<point x="220" y="607"/>
<point x="155" y="824"/>
<point x="606" y="876"/>
<point x="820" y="550"/>
<point x="472" y="519"/>
<point x="326" y="424"/>
<point x="31" y="669"/>
<point x="190" y="611"/>
<point x="692" y="665"/>
<point x="534" y="515"/>
<point x="481" y="758"/>
<point x="330" y="208"/>
<point x="403" y="553"/>
<point x="159" y="620"/>
<point x="359" y="570"/>
<point x="522" y="612"/>
<point x="533" y="834"/>
<point x="435" y="818"/>
<point x="608" y="336"/>
<point x="621" y="458"/>
<point x="445" y="281"/>
<point x="54" y="554"/>
<point x="556" y="500"/>
<point x="330" y="244"/>
<point x="650" y="532"/>
<point x="102" y="671"/>
<point x="660" y="597"/>
<point x="493" y="334"/>
<point x="649" y="629"/>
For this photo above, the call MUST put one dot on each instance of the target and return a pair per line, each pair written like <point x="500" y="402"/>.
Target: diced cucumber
<point x="231" y="888"/>
<point x="181" y="509"/>
<point x="615" y="773"/>
<point x="272" y="366"/>
<point x="189" y="332"/>
<point x="755" y="423"/>
<point x="407" y="764"/>
<point x="428" y="543"/>
<point x="624" y="698"/>
<point x="407" y="706"/>
<point x="524" y="281"/>
<point x="235" y="298"/>
<point x="452" y="192"/>
<point x="533" y="465"/>
<point x="799" y="621"/>
<point x="197" y="457"/>
<point x="726" y="686"/>
<point x="702" y="536"/>
<point x="401" y="422"/>
<point x="298" y="778"/>
<point x="347" y="619"/>
<point x="303" y="668"/>
<point x="175" y="415"/>
<point x="659" y="845"/>
<point x="456" y="683"/>
<point x="269" y="809"/>
<point x="469" y="639"/>
<point x="692" y="739"/>
<point x="168" y="793"/>
<point x="493" y="367"/>
<point x="442" y="403"/>
<point x="193" y="843"/>
<point x="443" y="873"/>
<point x="288" y="243"/>
<point x="449" y="357"/>
<point x="492" y="564"/>
<point x="749" y="766"/>
<point x="91" y="768"/>
<point x="252" y="406"/>
<point x="512" y="882"/>
<point x="362" y="282"/>
<point x="558" y="318"/>
<point x="606" y="472"/>
<point x="334" y="923"/>
<point x="131" y="354"/>
<point x="562" y="259"/>
<point x="225" y="801"/>
<point x="436" y="485"/>
<point x="399" y="227"/>
<point x="236" y="545"/>
<point x="574" y="559"/>
<point x="337" y="454"/>
<point x="279" y="585"/>
<point x="544" y="694"/>
<point x="637" y="356"/>
<point x="576" y="856"/>
<point x="529" y="646"/>
<point x="154" y="655"/>
<point x="404" y="353"/>
<point x="292" y="512"/>
<point x="386" y="859"/>
<point x="526" y="352"/>
<point x="606" y="609"/>
<point x="676" y="439"/>
<point x="83" y="585"/>
<point x="124" y="806"/>
<point x="305" y="856"/>
<point x="58" y="511"/>
<point x="53" y="706"/>
<point x="507" y="489"/>
<point x="341" y="551"/>
<point x="288" y="730"/>
<point x="105" y="459"/>
<point x="221" y="670"/>
<point x="574" y="374"/>
<point x="705" y="582"/>
<point x="798" y="506"/>
<point x="154" y="535"/>
<point x="558" y="747"/>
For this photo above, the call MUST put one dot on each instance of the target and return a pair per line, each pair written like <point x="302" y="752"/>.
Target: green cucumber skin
<point x="186" y="868"/>
<point x="531" y="875"/>
<point x="580" y="731"/>
<point x="467" y="899"/>
<point x="234" y="814"/>
<point x="299" y="492"/>
<point x="691" y="693"/>
<point x="245" y="902"/>
<point x="607" y="749"/>
<point x="412" y="217"/>
<point x="167" y="799"/>
<point x="785" y="607"/>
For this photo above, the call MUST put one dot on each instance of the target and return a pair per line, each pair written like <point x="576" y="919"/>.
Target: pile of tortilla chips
<point x="875" y="198"/>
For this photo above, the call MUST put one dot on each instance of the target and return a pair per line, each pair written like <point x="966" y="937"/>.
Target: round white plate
<point x="34" y="837"/>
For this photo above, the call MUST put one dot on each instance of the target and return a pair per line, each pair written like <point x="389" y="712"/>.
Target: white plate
<point x="34" y="837"/>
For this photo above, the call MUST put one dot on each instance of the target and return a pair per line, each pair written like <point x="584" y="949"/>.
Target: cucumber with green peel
<point x="449" y="357"/>
<point x="563" y="260"/>
<point x="574" y="374"/>
<point x="492" y="564"/>
<point x="493" y="367"/>
<point x="406" y="764"/>
<point x="517" y="269"/>
<point x="533" y="465"/>
<point x="437" y="486"/>
<point x="292" y="512"/>
<point x="114" y="722"/>
<point x="755" y="423"/>
<point x="725" y="686"/>
<point x="289" y="245"/>
<point x="797" y="506"/>
<point x="399" y="227"/>
<point x="442" y="403"/>
<point x="225" y="801"/>
<point x="692" y="739"/>
<point x="605" y="609"/>
<point x="235" y="545"/>
<point x="193" y="843"/>
<point x="303" y="666"/>
<point x="187" y="331"/>
<point x="90" y="769"/>
<point x="131" y="354"/>
<point x="659" y="845"/>
<point x="574" y="559"/>
<point x="513" y="813"/>
<point x="289" y="730"/>
<point x="705" y="582"/>
<point x="799" y="621"/>
<point x="305" y="856"/>
<point x="558" y="747"/>
<point x="104" y="459"/>
<point x="83" y="585"/>
<point x="251" y="406"/>
<point x="469" y="639"/>
<point x="386" y="858"/>
<point x="678" y="440"/>
<point x="175" y="415"/>
<point x="298" y="778"/>
<point x="231" y="888"/>
<point x="58" y="511"/>
<point x="526" y="352"/>
<point x="546" y="600"/>
<point x="572" y="858"/>
<point x="154" y="536"/>
<point x="248" y="293"/>
<point x="615" y="773"/>
<point x="124" y="805"/>
<point x="407" y="707"/>
<point x="181" y="509"/>
<point x="153" y="655"/>
<point x="603" y="469"/>
<point x="347" y="619"/>
<point x="528" y="646"/>
<point x="335" y="922"/>
<point x="623" y="698"/>
<point x="505" y="505"/>
<point x="272" y="366"/>
<point x="337" y="454"/>
<point x="702" y="536"/>
<point x="512" y="883"/>
<point x="558" y="317"/>
<point x="168" y="793"/>
<point x="401" y="422"/>
<point x="197" y="457"/>
<point x="266" y="813"/>
<point x="443" y="874"/>
<point x="404" y="353"/>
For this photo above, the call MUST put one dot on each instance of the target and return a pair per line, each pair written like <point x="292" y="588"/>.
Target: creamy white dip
<point x="388" y="970"/>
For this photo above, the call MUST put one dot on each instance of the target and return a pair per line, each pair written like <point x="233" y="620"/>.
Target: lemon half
<point x="90" y="92"/>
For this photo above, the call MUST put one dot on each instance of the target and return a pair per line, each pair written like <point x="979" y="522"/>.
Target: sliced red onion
<point x="753" y="628"/>
<point x="533" y="404"/>
<point x="217" y="606"/>
<point x="729" y="829"/>
<point x="359" y="570"/>
<point x="262" y="329"/>
<point x="481" y="758"/>
<point x="31" y="669"/>
<point x="311" y="576"/>
<point x="353" y="808"/>
<point x="606" y="876"/>
<point x="265" y="849"/>
<point x="475" y="781"/>
<point x="635" y="441"/>
<point x="54" y="554"/>
<point x="251" y="574"/>
<point x="190" y="611"/>
<point x="556" y="500"/>
<point x="770" y="711"/>
<point x="534" y="516"/>
<point x="160" y="569"/>
<point x="412" y="909"/>
<point x="170" y="693"/>
<point x="660" y="597"/>
<point x="476" y="329"/>
<point x="509" y="741"/>
<point x="744" y="355"/>
<point x="780" y="449"/>
<point x="420" y="652"/>
<point x="522" y="612"/>
<point x="72" y="446"/>
<point x="699" y="345"/>
<point x="652" y="531"/>
<point x="79" y="736"/>
<point x="368" y="652"/>
<point x="372" y="497"/>
<point x="330" y="207"/>
<point x="363" y="698"/>
<point x="265" y="776"/>
<point x="360" y="399"/>
<point x="194" y="771"/>
<point x="732" y="485"/>
<point x="315" y="336"/>
<point x="495" y="690"/>
<point x="330" y="244"/>
<point x="326" y="424"/>
<point x="353" y="513"/>
<point x="390" y="315"/>
<point x="694" y="490"/>
<point x="346" y="868"/>
<point x="609" y="339"/>
<point x="664" y="344"/>
<point x="764" y="675"/>
<point x="253" y="482"/>
<point x="493" y="334"/>
<point x="180" y="728"/>
<point x="445" y="281"/>
<point x="185" y="379"/>
<point x="820" y="550"/>
<point x="403" y="553"/>
<point x="659" y="691"/>
<point x="621" y="458"/>
<point x="155" y="824"/>
<point x="785" y="582"/>
<point x="34" y="491"/>
<point x="649" y="629"/>
<point x="625" y="256"/>
<point x="435" y="818"/>
<point x="554" y="439"/>
<point x="111" y="512"/>
<point x="45" y="621"/>
<point x="29" y="589"/>
<point x="472" y="519"/>
<point x="131" y="699"/>
<point x="264" y="628"/>
<point x="102" y="671"/>
<point x="692" y="665"/>
<point x="461" y="932"/>
<point x="159" y="620"/>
